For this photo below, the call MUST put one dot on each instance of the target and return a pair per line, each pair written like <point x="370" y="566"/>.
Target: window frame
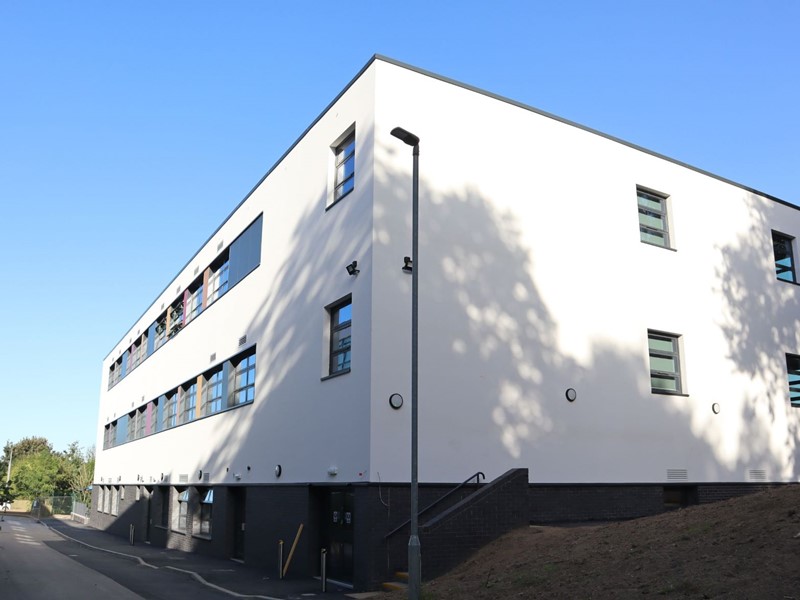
<point x="188" y="402"/>
<point x="235" y="389"/>
<point x="675" y="354"/>
<point x="788" y="243"/>
<point x="663" y="213"/>
<point x="344" y="155"/>
<point x="334" y="327"/>
<point x="206" y="497"/>
<point x="794" y="385"/>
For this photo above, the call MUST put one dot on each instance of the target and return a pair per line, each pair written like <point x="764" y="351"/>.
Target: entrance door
<point x="149" y="514"/>
<point x="238" y="496"/>
<point x="339" y="533"/>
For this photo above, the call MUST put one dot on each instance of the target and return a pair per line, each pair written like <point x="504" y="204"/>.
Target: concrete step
<point x="400" y="582"/>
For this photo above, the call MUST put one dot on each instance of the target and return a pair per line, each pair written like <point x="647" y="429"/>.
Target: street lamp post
<point x="414" y="561"/>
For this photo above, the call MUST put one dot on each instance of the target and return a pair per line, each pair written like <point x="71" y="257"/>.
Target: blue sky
<point x="129" y="131"/>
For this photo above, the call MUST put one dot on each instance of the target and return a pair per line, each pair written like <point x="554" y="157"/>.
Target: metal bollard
<point x="131" y="533"/>
<point x="323" y="568"/>
<point x="280" y="559"/>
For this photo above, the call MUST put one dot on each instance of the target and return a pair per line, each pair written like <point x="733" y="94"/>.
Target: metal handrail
<point x="477" y="477"/>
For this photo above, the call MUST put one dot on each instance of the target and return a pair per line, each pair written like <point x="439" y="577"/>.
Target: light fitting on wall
<point x="200" y="474"/>
<point x="408" y="264"/>
<point x="396" y="401"/>
<point x="571" y="394"/>
<point x="333" y="470"/>
<point x="715" y="408"/>
<point x="352" y="268"/>
<point x="278" y="470"/>
<point x="237" y="476"/>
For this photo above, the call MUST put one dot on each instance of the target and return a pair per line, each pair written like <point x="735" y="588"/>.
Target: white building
<point x="618" y="323"/>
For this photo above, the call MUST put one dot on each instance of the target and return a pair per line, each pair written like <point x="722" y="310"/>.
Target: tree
<point x="36" y="474"/>
<point x="78" y="466"/>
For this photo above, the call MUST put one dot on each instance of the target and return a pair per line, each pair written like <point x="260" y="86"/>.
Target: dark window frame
<point x="674" y="355"/>
<point x="647" y="210"/>
<point x="793" y="379"/>
<point x="345" y="158"/>
<point x="786" y="243"/>
<point x="336" y="327"/>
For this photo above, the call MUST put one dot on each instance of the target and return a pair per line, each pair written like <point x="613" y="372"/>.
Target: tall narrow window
<point x="345" y="167"/>
<point x="164" y="513"/>
<point x="341" y="320"/>
<point x="218" y="278"/>
<point x="206" y="511"/>
<point x="175" y="317"/>
<point x="665" y="367"/>
<point x="244" y="379"/>
<point x="653" y="227"/>
<point x="188" y="402"/>
<point x="140" y="421"/>
<point x="182" y="516"/>
<point x="160" y="331"/>
<point x="212" y="393"/>
<point x="194" y="301"/>
<point x="793" y="370"/>
<point x="171" y="416"/>
<point x="784" y="257"/>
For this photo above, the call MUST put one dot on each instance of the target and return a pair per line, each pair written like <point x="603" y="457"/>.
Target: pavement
<point x="227" y="576"/>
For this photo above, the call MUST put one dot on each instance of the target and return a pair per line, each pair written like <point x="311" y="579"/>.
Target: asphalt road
<point x="38" y="564"/>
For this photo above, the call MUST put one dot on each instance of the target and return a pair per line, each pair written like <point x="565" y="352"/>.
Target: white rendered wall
<point x="298" y="421"/>
<point x="534" y="280"/>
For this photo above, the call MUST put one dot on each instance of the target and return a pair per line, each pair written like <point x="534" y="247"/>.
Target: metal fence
<point x="43" y="507"/>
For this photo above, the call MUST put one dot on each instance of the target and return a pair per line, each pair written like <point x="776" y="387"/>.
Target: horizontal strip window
<point x="225" y="387"/>
<point x="230" y="267"/>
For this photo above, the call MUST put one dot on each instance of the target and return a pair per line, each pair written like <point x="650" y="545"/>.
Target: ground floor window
<point x="181" y="518"/>
<point x="206" y="511"/>
<point x="100" y="499"/>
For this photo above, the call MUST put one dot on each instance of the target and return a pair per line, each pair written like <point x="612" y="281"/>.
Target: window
<point x="653" y="218"/>
<point x="115" y="373"/>
<point x="188" y="402"/>
<point x="175" y="317"/>
<point x="194" y="301"/>
<point x="244" y="379"/>
<point x="171" y="417"/>
<point x="793" y="370"/>
<point x="140" y="421"/>
<point x="345" y="165"/>
<point x="218" y="278"/>
<point x="160" y="332"/>
<point x="665" y="376"/>
<point x="206" y="511"/>
<point x="340" y="315"/>
<point x="115" y="500"/>
<point x="100" y="499"/>
<point x="130" y="435"/>
<point x="212" y="393"/>
<point x="784" y="257"/>
<point x="182" y="516"/>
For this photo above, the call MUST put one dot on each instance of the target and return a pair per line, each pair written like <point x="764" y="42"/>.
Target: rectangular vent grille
<point x="206" y="477"/>
<point x="677" y="475"/>
<point x="757" y="475"/>
<point x="243" y="340"/>
<point x="213" y="357"/>
<point x="219" y="246"/>
<point x="183" y="478"/>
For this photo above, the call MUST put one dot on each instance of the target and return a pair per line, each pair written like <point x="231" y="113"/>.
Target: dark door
<point x="339" y="519"/>
<point x="149" y="514"/>
<point x="238" y="522"/>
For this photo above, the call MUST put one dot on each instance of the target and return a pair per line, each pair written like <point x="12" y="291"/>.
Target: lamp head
<point x="405" y="136"/>
<point x="352" y="268"/>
